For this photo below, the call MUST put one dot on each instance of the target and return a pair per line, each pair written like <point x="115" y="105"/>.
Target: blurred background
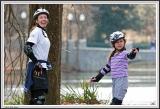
<point x="86" y="47"/>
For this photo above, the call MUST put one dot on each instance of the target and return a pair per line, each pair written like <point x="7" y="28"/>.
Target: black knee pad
<point x="116" y="101"/>
<point x="39" y="100"/>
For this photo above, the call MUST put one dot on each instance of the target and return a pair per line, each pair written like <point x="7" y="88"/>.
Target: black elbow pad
<point x="27" y="49"/>
<point x="29" y="52"/>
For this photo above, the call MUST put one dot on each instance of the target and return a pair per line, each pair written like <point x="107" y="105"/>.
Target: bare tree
<point x="14" y="58"/>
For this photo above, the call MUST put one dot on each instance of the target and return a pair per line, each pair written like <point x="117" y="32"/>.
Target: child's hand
<point x="93" y="79"/>
<point x="135" y="50"/>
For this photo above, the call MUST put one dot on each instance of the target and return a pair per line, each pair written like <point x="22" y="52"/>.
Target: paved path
<point x="134" y="96"/>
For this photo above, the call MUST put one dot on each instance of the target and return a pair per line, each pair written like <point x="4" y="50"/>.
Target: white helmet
<point x="116" y="35"/>
<point x="40" y="11"/>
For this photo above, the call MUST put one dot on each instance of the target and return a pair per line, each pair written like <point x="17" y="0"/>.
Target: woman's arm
<point x="29" y="52"/>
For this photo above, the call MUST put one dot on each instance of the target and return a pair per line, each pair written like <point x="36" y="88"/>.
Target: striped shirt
<point x="118" y="65"/>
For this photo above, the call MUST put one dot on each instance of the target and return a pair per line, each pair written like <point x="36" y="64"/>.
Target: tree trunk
<point x="54" y="33"/>
<point x="54" y="29"/>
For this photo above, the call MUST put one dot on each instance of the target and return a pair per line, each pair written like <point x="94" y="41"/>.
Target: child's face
<point x="119" y="44"/>
<point x="42" y="20"/>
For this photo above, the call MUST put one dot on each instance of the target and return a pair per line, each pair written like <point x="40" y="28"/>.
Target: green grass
<point x="72" y="96"/>
<point x="15" y="100"/>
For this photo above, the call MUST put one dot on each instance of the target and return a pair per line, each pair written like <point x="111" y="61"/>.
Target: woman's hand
<point x="38" y="69"/>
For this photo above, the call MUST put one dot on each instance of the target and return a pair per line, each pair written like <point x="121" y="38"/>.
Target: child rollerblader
<point x="118" y="66"/>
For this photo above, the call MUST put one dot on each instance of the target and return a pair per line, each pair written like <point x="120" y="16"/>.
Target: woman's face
<point x="119" y="44"/>
<point x="42" y="20"/>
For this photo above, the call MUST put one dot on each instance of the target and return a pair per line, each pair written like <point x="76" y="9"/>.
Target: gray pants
<point x="119" y="87"/>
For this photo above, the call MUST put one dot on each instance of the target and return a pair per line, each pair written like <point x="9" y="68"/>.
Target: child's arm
<point x="101" y="73"/>
<point x="133" y="53"/>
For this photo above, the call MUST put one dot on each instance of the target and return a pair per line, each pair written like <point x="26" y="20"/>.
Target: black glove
<point x="135" y="48"/>
<point x="97" y="78"/>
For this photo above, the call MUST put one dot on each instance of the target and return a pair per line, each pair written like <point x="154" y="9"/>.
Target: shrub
<point x="88" y="96"/>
